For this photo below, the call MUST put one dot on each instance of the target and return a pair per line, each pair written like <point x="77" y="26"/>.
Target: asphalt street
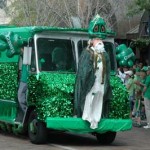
<point x="135" y="139"/>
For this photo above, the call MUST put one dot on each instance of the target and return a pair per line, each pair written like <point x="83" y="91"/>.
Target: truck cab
<point x="53" y="64"/>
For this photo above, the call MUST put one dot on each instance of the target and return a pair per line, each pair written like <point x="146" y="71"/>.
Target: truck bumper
<point x="81" y="126"/>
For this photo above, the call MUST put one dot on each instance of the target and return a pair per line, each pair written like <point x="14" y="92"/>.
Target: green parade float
<point x="50" y="94"/>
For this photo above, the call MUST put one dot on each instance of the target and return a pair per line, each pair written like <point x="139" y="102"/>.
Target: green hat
<point x="97" y="28"/>
<point x="146" y="68"/>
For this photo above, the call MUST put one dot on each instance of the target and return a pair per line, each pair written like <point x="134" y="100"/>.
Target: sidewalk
<point x="143" y="123"/>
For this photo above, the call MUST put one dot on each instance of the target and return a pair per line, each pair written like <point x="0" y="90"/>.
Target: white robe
<point x="94" y="100"/>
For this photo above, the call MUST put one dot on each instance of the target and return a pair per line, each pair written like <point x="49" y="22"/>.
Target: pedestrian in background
<point x="146" y="93"/>
<point x="121" y="74"/>
<point x="130" y="88"/>
<point x="138" y="95"/>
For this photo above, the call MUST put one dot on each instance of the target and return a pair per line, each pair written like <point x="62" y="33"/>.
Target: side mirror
<point x="27" y="55"/>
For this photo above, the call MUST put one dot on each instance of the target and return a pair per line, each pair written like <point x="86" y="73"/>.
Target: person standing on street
<point x="130" y="88"/>
<point x="146" y="93"/>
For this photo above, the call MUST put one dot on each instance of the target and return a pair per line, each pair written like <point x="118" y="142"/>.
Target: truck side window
<point x="33" y="62"/>
<point x="55" y="55"/>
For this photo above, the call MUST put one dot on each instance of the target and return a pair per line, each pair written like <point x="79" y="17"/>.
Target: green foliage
<point x="132" y="10"/>
<point x="143" y="5"/>
<point x="25" y="13"/>
<point x="141" y="43"/>
<point x="137" y="6"/>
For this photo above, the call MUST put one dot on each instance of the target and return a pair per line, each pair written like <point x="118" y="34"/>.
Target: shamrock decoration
<point x="125" y="56"/>
<point x="11" y="43"/>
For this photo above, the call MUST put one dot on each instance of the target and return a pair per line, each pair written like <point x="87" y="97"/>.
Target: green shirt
<point x="143" y="82"/>
<point x="147" y="84"/>
<point x="137" y="87"/>
<point x="130" y="86"/>
<point x="24" y="73"/>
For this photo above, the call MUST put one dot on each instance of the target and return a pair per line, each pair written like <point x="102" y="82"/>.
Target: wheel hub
<point x="33" y="126"/>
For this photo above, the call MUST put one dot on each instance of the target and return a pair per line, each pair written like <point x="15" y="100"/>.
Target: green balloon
<point x="17" y="41"/>
<point x="8" y="53"/>
<point x="122" y="55"/>
<point x="3" y="45"/>
<point x="130" y="63"/>
<point x="118" y="57"/>
<point x="121" y="48"/>
<point x="13" y="43"/>
<point x="123" y="63"/>
<point x="125" y="56"/>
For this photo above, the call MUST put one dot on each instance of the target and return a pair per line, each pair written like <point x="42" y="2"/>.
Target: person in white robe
<point x="94" y="99"/>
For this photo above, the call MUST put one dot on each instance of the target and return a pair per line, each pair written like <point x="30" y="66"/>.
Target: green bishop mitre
<point x="97" y="28"/>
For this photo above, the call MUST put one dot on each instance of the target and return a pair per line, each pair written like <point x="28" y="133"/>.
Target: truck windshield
<point x="55" y="54"/>
<point x="109" y="47"/>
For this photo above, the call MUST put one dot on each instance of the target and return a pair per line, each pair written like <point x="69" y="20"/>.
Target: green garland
<point x="52" y="95"/>
<point x="141" y="43"/>
<point x="8" y="81"/>
<point x="119" y="106"/>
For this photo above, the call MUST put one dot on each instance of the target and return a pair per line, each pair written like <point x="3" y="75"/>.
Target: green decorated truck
<point x="50" y="92"/>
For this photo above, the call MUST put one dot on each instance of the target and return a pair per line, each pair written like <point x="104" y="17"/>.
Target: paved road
<point x="136" y="139"/>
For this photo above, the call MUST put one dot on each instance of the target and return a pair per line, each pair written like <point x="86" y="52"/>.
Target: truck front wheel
<point x="106" y="138"/>
<point x="36" y="130"/>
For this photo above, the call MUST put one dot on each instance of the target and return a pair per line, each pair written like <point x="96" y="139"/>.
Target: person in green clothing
<point x="130" y="88"/>
<point x="22" y="90"/>
<point x="137" y="79"/>
<point x="146" y="93"/>
<point x="142" y="84"/>
<point x="138" y="96"/>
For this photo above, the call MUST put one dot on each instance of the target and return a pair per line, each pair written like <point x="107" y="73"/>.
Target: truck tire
<point x="106" y="138"/>
<point x="37" y="131"/>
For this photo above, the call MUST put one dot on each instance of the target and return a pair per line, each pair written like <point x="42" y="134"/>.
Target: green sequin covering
<point x="119" y="106"/>
<point x="8" y="81"/>
<point x="52" y="95"/>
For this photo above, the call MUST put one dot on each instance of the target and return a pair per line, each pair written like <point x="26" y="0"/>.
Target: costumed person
<point x="121" y="74"/>
<point x="91" y="103"/>
<point x="92" y="89"/>
<point x="94" y="99"/>
<point x="138" y="77"/>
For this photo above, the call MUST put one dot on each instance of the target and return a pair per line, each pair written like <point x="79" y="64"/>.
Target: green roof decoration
<point x="125" y="56"/>
<point x="12" y="38"/>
